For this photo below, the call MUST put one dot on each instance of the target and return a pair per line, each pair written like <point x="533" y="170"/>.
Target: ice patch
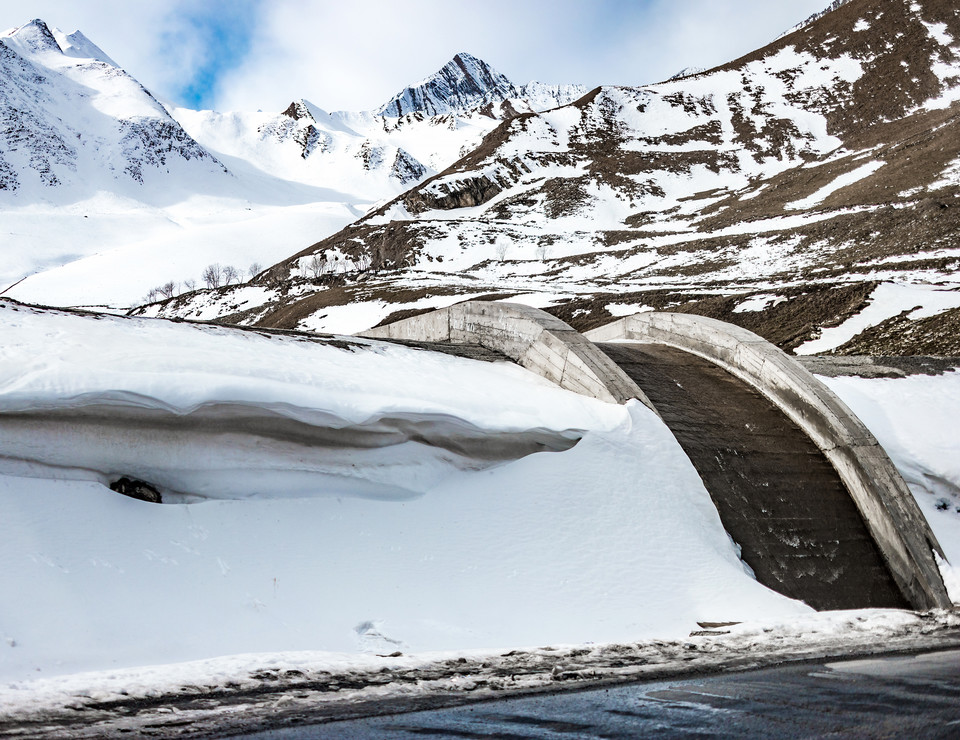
<point x="626" y="309"/>
<point x="759" y="303"/>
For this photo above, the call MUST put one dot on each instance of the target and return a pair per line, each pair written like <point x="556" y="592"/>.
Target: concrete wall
<point x="887" y="506"/>
<point x="533" y="338"/>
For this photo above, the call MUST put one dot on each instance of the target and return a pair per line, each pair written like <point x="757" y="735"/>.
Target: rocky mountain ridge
<point x="466" y="82"/>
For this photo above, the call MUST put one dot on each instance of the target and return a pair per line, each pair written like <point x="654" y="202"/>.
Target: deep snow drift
<point x="434" y="549"/>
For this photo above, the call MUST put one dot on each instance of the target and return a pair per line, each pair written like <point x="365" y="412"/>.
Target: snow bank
<point x="610" y="540"/>
<point x="915" y="420"/>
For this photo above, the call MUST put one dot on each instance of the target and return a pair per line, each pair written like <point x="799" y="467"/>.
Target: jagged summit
<point x="462" y="83"/>
<point x="34" y="37"/>
<point x="466" y="83"/>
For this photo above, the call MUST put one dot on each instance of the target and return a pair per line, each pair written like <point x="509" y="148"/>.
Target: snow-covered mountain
<point x="74" y="123"/>
<point x="466" y="82"/>
<point x="107" y="193"/>
<point x="777" y="191"/>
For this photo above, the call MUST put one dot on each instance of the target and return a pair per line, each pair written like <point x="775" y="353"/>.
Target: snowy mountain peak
<point x="462" y="83"/>
<point x="77" y="124"/>
<point x="687" y="72"/>
<point x="35" y="37"/>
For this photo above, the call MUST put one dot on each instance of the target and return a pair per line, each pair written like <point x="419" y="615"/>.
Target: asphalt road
<point x="892" y="697"/>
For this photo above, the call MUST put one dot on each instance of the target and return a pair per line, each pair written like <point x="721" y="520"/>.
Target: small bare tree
<point x="230" y="275"/>
<point x="500" y="248"/>
<point x="542" y="252"/>
<point x="316" y="266"/>
<point x="189" y="284"/>
<point x="213" y="275"/>
<point x="167" y="289"/>
<point x="255" y="269"/>
<point x="151" y="296"/>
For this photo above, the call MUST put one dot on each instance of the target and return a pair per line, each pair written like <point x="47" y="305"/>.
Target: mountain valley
<point x="794" y="191"/>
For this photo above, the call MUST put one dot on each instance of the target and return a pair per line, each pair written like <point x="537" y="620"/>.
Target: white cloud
<point x="357" y="55"/>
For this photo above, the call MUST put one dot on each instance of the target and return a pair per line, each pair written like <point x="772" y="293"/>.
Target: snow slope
<point x="74" y="124"/>
<point x="612" y="539"/>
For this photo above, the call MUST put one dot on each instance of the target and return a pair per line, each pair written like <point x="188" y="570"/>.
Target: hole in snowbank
<point x="138" y="489"/>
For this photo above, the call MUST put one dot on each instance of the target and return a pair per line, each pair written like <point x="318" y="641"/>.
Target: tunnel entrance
<point x="777" y="495"/>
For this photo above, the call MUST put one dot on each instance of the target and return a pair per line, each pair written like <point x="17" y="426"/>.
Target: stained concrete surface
<point x="889" y="510"/>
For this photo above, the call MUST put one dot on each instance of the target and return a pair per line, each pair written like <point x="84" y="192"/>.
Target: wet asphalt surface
<point x="892" y="697"/>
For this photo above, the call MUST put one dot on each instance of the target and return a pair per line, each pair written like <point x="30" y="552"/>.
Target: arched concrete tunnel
<point x="817" y="507"/>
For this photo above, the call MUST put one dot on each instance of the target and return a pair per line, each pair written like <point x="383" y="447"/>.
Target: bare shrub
<point x="255" y="269"/>
<point x="230" y="275"/>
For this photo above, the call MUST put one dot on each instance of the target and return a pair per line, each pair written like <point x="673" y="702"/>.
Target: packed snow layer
<point x="915" y="420"/>
<point x="612" y="539"/>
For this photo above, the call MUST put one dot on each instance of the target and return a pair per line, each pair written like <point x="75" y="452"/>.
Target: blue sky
<point x="222" y="31"/>
<point x="354" y="55"/>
